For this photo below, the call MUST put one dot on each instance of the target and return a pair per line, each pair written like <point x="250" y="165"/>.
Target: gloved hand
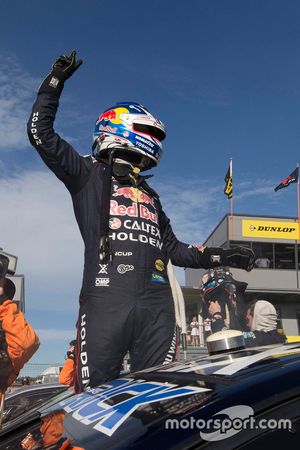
<point x="239" y="257"/>
<point x="65" y="66"/>
<point x="62" y="69"/>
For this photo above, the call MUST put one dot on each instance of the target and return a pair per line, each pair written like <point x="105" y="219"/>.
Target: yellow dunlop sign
<point x="268" y="229"/>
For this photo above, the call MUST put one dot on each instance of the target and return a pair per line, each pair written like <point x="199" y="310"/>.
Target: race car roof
<point x="226" y="367"/>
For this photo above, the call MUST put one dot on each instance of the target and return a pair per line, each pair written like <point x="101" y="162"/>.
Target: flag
<point x="292" y="178"/>
<point x="228" y="181"/>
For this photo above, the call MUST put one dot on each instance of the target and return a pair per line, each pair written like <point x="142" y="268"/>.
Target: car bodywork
<point x="162" y="407"/>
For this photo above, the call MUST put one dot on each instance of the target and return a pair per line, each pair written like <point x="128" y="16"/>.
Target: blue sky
<point x="224" y="76"/>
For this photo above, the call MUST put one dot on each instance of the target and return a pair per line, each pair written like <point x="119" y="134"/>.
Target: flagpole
<point x="231" y="206"/>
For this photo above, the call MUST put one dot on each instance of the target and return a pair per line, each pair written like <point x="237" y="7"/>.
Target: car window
<point x="18" y="404"/>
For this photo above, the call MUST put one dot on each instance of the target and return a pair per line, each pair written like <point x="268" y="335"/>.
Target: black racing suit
<point x="125" y="304"/>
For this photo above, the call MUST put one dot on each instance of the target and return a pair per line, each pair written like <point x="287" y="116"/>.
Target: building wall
<point x="219" y="236"/>
<point x="289" y="322"/>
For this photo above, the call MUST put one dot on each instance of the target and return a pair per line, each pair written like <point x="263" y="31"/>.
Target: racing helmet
<point x="212" y="279"/>
<point x="218" y="282"/>
<point x="132" y="131"/>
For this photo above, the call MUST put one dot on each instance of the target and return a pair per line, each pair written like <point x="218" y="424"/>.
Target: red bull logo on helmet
<point x="108" y="115"/>
<point x="112" y="115"/>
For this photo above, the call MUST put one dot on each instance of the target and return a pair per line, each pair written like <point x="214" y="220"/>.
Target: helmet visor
<point x="150" y="130"/>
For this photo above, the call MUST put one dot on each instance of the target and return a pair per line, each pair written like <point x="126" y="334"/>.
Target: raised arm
<point x="58" y="155"/>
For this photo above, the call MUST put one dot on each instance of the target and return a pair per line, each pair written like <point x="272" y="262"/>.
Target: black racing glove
<point x="62" y="69"/>
<point x="239" y="258"/>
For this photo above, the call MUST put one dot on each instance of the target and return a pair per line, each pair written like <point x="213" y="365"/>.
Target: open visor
<point x="155" y="132"/>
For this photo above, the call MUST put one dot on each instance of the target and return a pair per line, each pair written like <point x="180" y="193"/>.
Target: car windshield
<point x="24" y="405"/>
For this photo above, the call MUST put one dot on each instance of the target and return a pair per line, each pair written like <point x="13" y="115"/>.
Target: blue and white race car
<point x="244" y="399"/>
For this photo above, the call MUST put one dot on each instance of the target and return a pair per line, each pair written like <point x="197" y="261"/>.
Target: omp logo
<point x="102" y="282"/>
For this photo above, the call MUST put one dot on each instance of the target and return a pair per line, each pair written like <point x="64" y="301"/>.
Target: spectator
<point x="262" y="263"/>
<point x="18" y="340"/>
<point x="195" y="331"/>
<point x="25" y="381"/>
<point x="66" y="375"/>
<point x="207" y="327"/>
<point x="261" y="319"/>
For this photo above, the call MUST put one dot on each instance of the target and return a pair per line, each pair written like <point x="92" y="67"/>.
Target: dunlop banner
<point x="268" y="229"/>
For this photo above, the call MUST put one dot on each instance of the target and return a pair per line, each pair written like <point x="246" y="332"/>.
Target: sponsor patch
<point x="158" y="278"/>
<point x="134" y="210"/>
<point x="102" y="282"/>
<point x="134" y="194"/>
<point x="123" y="268"/>
<point x="54" y="82"/>
<point x="114" y="223"/>
<point x="108" y="128"/>
<point x="103" y="268"/>
<point x="159" y="265"/>
<point x="122" y="236"/>
<point x="200" y="248"/>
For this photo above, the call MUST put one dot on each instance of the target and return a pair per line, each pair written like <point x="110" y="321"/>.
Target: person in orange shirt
<point x="66" y="376"/>
<point x="18" y="340"/>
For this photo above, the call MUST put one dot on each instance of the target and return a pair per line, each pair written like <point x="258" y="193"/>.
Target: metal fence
<point x="36" y="370"/>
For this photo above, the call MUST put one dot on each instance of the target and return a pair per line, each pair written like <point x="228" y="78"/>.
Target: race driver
<point x="125" y="301"/>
